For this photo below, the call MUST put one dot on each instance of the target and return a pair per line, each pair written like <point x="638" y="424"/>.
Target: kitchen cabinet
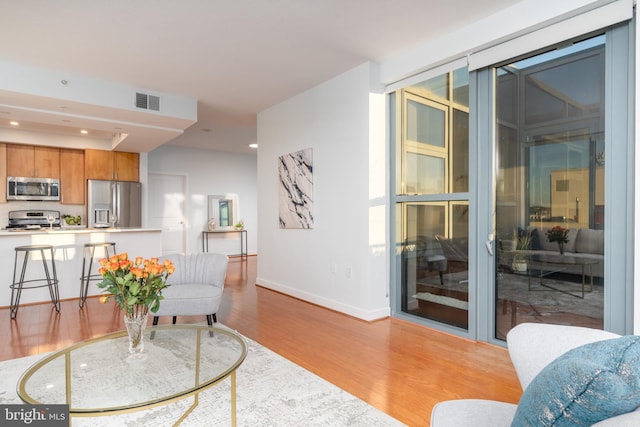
<point x="126" y="166"/>
<point x="98" y="164"/>
<point x="72" y="182"/>
<point x="3" y="173"/>
<point x="112" y="165"/>
<point x="33" y="161"/>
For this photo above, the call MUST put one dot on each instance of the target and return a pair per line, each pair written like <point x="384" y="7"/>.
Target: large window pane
<point x="433" y="160"/>
<point x="435" y="267"/>
<point x="544" y="104"/>
<point x="550" y="116"/>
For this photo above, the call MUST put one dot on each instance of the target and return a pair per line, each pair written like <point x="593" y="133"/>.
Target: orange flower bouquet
<point x="137" y="288"/>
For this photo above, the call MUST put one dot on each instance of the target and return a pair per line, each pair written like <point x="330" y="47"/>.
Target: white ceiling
<point x="236" y="57"/>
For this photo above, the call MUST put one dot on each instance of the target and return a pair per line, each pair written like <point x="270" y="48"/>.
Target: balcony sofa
<point x="584" y="243"/>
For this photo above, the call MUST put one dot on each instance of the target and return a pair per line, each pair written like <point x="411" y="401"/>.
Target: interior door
<point x="167" y="210"/>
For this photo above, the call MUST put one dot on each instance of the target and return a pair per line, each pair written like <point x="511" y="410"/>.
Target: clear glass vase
<point x="136" y="323"/>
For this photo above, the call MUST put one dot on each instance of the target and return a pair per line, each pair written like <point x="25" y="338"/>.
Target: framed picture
<point x="295" y="172"/>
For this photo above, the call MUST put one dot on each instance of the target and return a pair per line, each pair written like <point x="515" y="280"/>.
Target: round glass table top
<point x="99" y="375"/>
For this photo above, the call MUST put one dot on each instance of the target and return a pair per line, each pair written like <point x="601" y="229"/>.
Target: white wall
<point x="335" y="120"/>
<point x="211" y="173"/>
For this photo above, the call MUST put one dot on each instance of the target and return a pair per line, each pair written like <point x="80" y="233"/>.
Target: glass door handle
<point x="489" y="244"/>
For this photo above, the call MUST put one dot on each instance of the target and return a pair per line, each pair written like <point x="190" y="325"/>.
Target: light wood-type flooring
<point x="400" y="368"/>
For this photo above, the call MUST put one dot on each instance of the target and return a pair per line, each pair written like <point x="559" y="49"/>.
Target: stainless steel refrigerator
<point x="114" y="204"/>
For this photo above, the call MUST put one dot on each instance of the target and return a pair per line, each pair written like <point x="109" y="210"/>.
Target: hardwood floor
<point x="401" y="368"/>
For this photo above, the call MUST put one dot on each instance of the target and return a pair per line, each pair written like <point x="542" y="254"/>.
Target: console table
<point x="243" y="239"/>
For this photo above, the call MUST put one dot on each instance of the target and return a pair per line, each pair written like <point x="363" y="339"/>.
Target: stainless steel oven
<point x="22" y="188"/>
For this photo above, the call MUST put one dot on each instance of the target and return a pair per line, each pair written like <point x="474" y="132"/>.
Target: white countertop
<point x="75" y="230"/>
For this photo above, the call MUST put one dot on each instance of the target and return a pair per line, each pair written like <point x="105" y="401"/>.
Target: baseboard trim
<point x="367" y="315"/>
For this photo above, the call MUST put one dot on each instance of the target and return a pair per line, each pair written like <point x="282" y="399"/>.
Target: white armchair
<point x="195" y="287"/>
<point x="532" y="347"/>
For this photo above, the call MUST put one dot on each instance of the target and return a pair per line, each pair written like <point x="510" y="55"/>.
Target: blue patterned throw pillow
<point x="584" y="386"/>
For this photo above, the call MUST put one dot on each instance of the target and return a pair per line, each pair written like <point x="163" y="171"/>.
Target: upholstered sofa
<point x="604" y="373"/>
<point x="585" y="243"/>
<point x="195" y="286"/>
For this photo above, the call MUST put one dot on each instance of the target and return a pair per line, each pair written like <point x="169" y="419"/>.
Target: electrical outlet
<point x="334" y="268"/>
<point x="349" y="272"/>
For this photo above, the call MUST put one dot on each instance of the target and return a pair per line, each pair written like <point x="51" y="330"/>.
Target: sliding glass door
<point x="550" y="114"/>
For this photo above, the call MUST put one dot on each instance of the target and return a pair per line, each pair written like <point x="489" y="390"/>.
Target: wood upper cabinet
<point x="112" y="165"/>
<point x="72" y="183"/>
<point x="3" y="173"/>
<point x="98" y="164"/>
<point x="33" y="161"/>
<point x="126" y="166"/>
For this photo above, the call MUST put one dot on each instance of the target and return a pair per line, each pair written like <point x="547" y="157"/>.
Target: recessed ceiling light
<point x="14" y="123"/>
<point x="84" y="132"/>
<point x="253" y="145"/>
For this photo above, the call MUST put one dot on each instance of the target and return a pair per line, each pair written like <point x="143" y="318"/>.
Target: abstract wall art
<point x="295" y="172"/>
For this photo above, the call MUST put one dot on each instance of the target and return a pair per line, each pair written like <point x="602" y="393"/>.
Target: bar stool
<point x="89" y="251"/>
<point x="50" y="280"/>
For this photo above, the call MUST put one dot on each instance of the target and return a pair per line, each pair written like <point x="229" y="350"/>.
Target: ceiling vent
<point x="147" y="102"/>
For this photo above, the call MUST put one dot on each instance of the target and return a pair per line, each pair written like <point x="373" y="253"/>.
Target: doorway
<point x="167" y="210"/>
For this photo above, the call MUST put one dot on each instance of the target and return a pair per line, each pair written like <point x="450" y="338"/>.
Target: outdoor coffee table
<point x="98" y="377"/>
<point x="549" y="264"/>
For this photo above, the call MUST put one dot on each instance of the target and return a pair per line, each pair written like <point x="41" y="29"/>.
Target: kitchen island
<point x="68" y="245"/>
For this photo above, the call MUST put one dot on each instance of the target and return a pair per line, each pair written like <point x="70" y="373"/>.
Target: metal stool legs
<point x="50" y="280"/>
<point x="89" y="250"/>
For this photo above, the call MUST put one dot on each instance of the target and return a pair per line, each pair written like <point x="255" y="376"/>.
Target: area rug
<point x="515" y="287"/>
<point x="271" y="391"/>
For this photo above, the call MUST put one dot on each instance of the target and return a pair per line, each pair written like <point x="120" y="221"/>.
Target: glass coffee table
<point x="549" y="264"/>
<point x="98" y="377"/>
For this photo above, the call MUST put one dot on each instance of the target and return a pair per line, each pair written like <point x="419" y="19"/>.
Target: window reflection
<point x="550" y="135"/>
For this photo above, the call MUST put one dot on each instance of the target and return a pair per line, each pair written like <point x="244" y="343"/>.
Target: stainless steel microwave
<point x="22" y="188"/>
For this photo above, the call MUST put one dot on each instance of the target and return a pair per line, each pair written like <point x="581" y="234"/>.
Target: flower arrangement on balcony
<point x="558" y="234"/>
